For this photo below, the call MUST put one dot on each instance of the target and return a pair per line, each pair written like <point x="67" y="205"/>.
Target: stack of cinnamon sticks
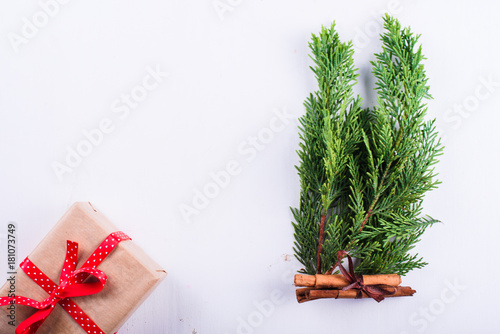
<point x="330" y="286"/>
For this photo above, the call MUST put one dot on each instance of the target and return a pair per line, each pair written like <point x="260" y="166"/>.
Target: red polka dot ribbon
<point x="72" y="283"/>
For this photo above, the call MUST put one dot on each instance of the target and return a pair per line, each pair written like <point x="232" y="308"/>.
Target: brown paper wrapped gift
<point x="132" y="275"/>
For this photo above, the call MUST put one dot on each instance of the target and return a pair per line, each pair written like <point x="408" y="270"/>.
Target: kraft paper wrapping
<point x="132" y="275"/>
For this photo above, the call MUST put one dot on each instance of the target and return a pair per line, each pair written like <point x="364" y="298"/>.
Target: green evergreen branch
<point x="363" y="172"/>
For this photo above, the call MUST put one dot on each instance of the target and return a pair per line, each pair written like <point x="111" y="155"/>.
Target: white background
<point x="232" y="70"/>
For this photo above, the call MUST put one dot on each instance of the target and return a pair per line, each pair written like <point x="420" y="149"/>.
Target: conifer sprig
<point x="363" y="172"/>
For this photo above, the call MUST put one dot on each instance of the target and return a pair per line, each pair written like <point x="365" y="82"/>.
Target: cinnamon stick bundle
<point x="307" y="294"/>
<point x="330" y="286"/>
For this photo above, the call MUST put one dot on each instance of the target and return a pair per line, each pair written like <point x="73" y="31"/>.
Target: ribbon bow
<point x="376" y="291"/>
<point x="72" y="283"/>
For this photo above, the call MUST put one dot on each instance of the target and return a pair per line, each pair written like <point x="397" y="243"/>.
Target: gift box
<point x="131" y="275"/>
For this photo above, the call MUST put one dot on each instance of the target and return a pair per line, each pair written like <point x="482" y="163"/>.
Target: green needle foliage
<point x="364" y="172"/>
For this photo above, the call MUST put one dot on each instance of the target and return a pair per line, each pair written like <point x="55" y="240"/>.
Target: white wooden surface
<point x="238" y="74"/>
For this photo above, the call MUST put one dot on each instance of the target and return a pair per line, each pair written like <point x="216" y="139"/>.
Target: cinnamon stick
<point x="307" y="294"/>
<point x="302" y="294"/>
<point x="338" y="281"/>
<point x="401" y="291"/>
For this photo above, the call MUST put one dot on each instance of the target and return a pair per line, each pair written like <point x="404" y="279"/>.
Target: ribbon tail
<point x="349" y="275"/>
<point x="351" y="266"/>
<point x="381" y="289"/>
<point x="378" y="298"/>
<point x="30" y="325"/>
<point x="378" y="292"/>
<point x="374" y="295"/>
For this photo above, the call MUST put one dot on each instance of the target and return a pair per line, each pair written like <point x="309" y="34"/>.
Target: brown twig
<point x="320" y="243"/>
<point x="368" y="214"/>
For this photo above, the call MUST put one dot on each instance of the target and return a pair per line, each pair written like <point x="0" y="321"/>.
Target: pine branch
<point x="328" y="133"/>
<point x="364" y="172"/>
